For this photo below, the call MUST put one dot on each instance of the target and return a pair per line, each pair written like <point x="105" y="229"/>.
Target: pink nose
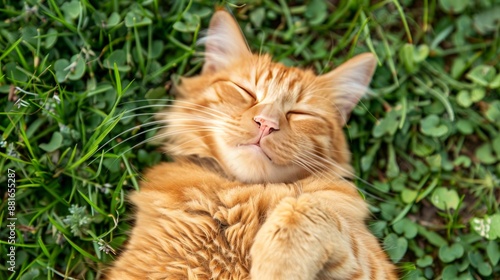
<point x="266" y="126"/>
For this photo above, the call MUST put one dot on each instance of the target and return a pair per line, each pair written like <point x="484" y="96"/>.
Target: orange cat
<point x="257" y="189"/>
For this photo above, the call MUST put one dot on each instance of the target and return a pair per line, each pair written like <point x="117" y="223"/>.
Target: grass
<point x="80" y="79"/>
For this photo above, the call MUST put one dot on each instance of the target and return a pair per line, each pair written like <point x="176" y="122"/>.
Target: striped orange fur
<point x="259" y="187"/>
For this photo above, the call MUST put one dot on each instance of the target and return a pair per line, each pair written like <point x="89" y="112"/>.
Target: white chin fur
<point x="250" y="165"/>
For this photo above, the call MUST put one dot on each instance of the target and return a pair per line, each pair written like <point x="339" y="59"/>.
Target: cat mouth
<point x="257" y="148"/>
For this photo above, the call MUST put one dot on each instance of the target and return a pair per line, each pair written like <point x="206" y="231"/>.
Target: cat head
<point x="261" y="121"/>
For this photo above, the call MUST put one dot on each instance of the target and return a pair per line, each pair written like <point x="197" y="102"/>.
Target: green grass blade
<point x="403" y="19"/>
<point x="11" y="48"/>
<point x="80" y="250"/>
<point x="94" y="206"/>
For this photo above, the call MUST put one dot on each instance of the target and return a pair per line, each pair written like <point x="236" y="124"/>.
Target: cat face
<point x="261" y="121"/>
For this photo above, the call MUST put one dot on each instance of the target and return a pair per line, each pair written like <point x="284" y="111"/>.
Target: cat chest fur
<point x="202" y="230"/>
<point x="200" y="226"/>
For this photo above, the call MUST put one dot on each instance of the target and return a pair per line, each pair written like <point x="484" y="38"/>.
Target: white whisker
<point x="189" y="117"/>
<point x="329" y="165"/>
<point x="194" y="128"/>
<point x="173" y="104"/>
<point x="160" y="122"/>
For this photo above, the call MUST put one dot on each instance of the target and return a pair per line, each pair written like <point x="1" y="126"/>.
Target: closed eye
<point x="302" y="113"/>
<point x="250" y="93"/>
<point x="240" y="88"/>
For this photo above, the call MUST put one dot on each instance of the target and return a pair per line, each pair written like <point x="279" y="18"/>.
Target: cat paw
<point x="289" y="244"/>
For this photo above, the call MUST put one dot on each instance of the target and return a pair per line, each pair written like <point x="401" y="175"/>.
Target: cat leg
<point x="306" y="238"/>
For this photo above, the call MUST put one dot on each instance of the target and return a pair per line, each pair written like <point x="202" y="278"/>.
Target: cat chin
<point x="249" y="164"/>
<point x="255" y="151"/>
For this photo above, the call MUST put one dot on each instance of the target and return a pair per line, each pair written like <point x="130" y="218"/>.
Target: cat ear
<point x="224" y="42"/>
<point x="350" y="82"/>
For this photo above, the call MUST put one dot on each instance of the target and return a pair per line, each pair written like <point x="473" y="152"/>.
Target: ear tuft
<point x="224" y="42"/>
<point x="350" y="82"/>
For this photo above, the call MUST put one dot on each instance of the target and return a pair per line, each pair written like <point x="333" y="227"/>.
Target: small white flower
<point x="21" y="103"/>
<point x="63" y="128"/>
<point x="56" y="98"/>
<point x="11" y="151"/>
<point x="105" y="247"/>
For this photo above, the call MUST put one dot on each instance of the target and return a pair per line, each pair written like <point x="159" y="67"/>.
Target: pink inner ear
<point x="209" y="68"/>
<point x="350" y="82"/>
<point x="224" y="42"/>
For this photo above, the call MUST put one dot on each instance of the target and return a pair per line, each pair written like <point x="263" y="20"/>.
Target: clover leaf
<point x="54" y="143"/>
<point x="406" y="227"/>
<point x="482" y="75"/>
<point x="485" y="154"/>
<point x="486" y="21"/>
<point x="425" y="261"/>
<point x="450" y="253"/>
<point x="71" y="9"/>
<point x="72" y="69"/>
<point x="135" y="19"/>
<point x="444" y="198"/>
<point x="432" y="126"/>
<point x="412" y="56"/>
<point x="120" y="58"/>
<point x="395" y="247"/>
<point x="453" y="6"/>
